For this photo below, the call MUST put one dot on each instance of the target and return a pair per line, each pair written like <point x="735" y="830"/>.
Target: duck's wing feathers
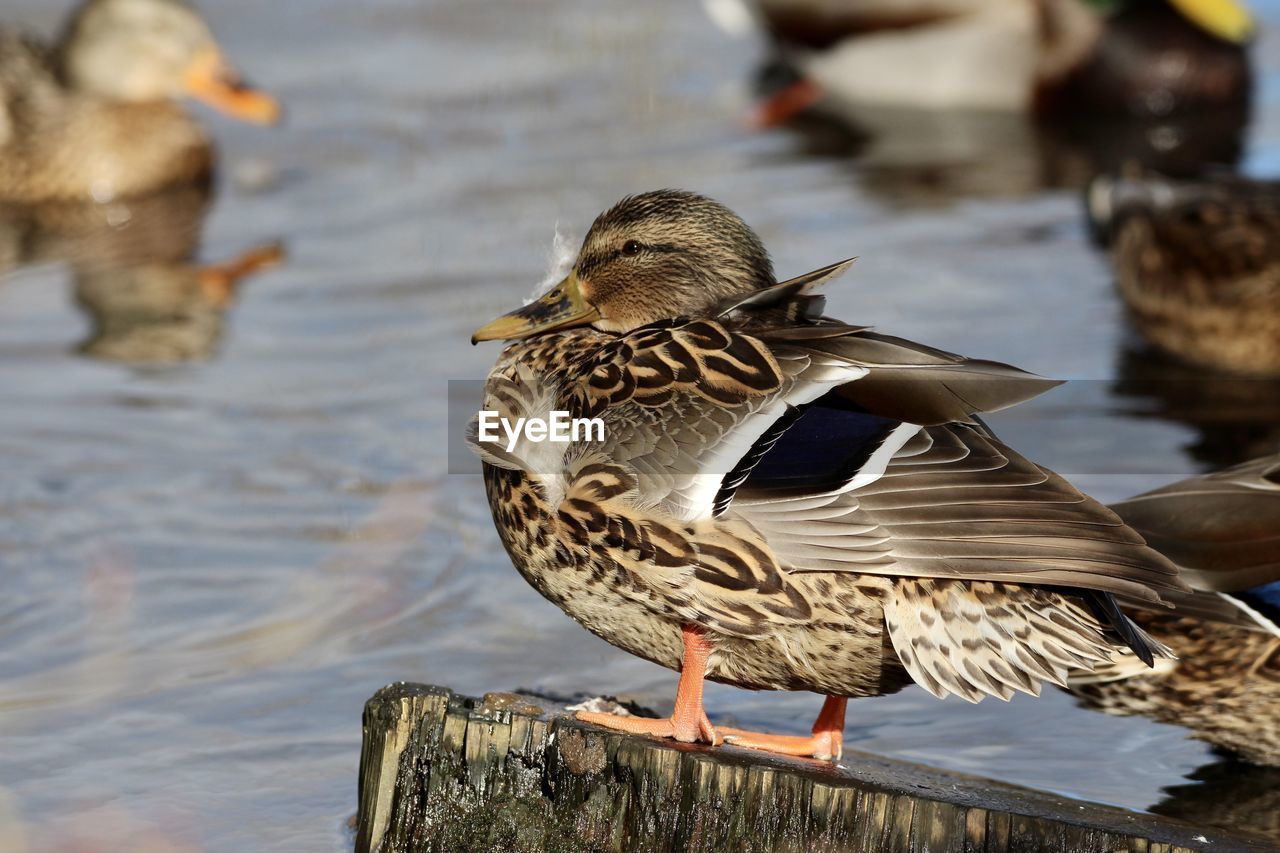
<point x="1223" y="532"/>
<point x="945" y="501"/>
<point x="778" y="433"/>
<point x="1222" y="529"/>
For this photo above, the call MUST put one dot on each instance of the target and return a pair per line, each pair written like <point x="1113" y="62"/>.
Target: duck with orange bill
<point x="99" y="114"/>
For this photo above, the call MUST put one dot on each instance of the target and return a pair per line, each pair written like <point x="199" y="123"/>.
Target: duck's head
<point x="151" y="50"/>
<point x="650" y="257"/>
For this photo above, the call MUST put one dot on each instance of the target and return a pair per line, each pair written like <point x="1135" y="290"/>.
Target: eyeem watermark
<point x="559" y="426"/>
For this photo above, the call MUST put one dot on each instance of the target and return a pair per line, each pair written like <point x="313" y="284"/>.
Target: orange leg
<point x="688" y="723"/>
<point x="218" y="281"/>
<point x="826" y="742"/>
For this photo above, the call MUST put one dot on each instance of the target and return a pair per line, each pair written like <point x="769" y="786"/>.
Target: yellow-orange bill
<point x="209" y="79"/>
<point x="1229" y="20"/>
<point x="559" y="308"/>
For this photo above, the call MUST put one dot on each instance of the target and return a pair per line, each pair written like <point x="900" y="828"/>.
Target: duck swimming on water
<point x="97" y="116"/>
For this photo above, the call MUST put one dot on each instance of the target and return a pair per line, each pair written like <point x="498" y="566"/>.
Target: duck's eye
<point x="631" y="248"/>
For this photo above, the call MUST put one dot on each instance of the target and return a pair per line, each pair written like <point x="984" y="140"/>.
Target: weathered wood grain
<point x="442" y="772"/>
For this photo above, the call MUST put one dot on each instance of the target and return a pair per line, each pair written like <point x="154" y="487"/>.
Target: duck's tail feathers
<point x="1142" y="644"/>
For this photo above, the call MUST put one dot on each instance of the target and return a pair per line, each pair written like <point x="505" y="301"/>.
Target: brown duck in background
<point x="97" y="116"/>
<point x="1198" y="265"/>
<point x="782" y="501"/>
<point x="1223" y="532"/>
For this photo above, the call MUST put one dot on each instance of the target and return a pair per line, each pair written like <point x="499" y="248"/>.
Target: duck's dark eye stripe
<point x="629" y="249"/>
<point x="594" y="261"/>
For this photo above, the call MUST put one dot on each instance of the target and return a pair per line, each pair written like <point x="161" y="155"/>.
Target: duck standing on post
<point x="97" y="116"/>
<point x="782" y="501"/>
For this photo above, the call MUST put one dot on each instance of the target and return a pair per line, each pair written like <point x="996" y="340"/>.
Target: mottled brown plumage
<point x="1198" y="265"/>
<point x="97" y="115"/>
<point x="789" y="501"/>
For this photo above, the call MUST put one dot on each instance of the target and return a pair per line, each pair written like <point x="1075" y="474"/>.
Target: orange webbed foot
<point x="826" y="746"/>
<point x="687" y="729"/>
<point x="825" y="743"/>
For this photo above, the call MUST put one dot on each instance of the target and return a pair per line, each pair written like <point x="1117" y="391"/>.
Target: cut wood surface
<point x="443" y="772"/>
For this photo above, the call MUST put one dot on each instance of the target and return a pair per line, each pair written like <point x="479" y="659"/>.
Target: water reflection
<point x="936" y="157"/>
<point x="1229" y="793"/>
<point x="134" y="271"/>
<point x="1234" y="418"/>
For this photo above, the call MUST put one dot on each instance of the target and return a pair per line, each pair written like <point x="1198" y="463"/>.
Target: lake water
<point x="208" y="564"/>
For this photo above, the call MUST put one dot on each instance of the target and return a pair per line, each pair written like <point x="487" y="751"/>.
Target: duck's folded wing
<point x="1223" y="532"/>
<point x="950" y="501"/>
<point x="1222" y="529"/>
<point x="694" y="405"/>
<point x="785" y="434"/>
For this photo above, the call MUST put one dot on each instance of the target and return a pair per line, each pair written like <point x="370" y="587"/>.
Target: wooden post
<point x="442" y="772"/>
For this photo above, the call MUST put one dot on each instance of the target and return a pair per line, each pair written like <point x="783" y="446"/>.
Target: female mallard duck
<point x="1198" y="265"/>
<point x="1147" y="59"/>
<point x="782" y="501"/>
<point x="1223" y="532"/>
<point x="97" y="117"/>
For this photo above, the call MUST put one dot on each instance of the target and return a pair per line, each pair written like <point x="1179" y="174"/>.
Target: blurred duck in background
<point x="97" y="115"/>
<point x="1198" y="265"/>
<point x="1145" y="57"/>
<point x="133" y="271"/>
<point x="1222" y="530"/>
<point x="1033" y="92"/>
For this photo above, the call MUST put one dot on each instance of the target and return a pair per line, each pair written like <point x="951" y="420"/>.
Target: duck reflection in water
<point x="1228" y="793"/>
<point x="1234" y="418"/>
<point x="951" y="98"/>
<point x="134" y="274"/>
